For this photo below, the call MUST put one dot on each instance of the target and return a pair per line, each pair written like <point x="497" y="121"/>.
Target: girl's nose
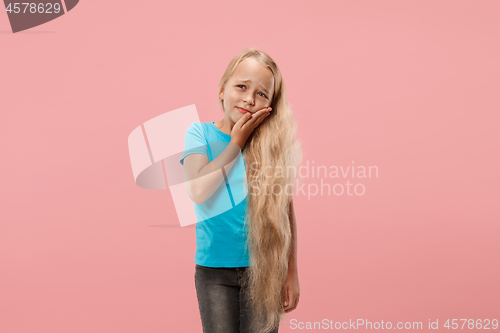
<point x="249" y="100"/>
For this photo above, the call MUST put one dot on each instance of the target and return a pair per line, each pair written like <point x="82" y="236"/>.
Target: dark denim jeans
<point x="223" y="307"/>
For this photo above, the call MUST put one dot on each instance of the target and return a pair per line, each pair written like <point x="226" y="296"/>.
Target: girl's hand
<point x="291" y="292"/>
<point x="246" y="124"/>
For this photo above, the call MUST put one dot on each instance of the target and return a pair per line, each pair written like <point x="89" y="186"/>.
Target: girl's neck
<point x="225" y="125"/>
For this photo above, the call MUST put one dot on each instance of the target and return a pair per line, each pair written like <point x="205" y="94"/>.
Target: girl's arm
<point x="291" y="291"/>
<point x="292" y="261"/>
<point x="203" y="178"/>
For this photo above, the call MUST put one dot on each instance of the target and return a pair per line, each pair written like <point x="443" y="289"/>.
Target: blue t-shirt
<point x="221" y="236"/>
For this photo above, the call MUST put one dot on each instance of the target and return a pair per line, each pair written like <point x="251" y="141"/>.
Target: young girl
<point x="246" y="256"/>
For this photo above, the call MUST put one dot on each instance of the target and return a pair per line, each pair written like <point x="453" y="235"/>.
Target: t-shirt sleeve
<point x="194" y="141"/>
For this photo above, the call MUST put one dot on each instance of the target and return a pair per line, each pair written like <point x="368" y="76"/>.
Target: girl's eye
<point x="242" y="85"/>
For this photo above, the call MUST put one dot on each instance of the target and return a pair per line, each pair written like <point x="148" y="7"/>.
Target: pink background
<point x="409" y="86"/>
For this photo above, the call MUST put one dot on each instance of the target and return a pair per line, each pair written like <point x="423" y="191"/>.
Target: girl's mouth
<point x="242" y="110"/>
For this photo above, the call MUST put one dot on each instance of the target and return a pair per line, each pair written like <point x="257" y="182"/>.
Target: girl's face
<point x="250" y="87"/>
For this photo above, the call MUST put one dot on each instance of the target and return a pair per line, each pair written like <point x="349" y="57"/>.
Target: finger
<point x="260" y="120"/>
<point x="265" y="113"/>
<point x="295" y="301"/>
<point x="244" y="119"/>
<point x="251" y="121"/>
<point x="261" y="116"/>
<point x="257" y="118"/>
<point x="291" y="304"/>
<point x="290" y="301"/>
<point x="247" y="116"/>
<point x="261" y="112"/>
<point x="286" y="299"/>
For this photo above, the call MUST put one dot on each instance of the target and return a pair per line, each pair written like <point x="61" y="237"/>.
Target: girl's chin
<point x="236" y="116"/>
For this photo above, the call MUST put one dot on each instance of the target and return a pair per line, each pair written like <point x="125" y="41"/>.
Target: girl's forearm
<point x="292" y="261"/>
<point x="209" y="177"/>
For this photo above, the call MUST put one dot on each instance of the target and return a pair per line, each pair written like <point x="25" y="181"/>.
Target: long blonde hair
<point x="273" y="144"/>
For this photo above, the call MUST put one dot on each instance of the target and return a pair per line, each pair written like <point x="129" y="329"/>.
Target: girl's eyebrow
<point x="263" y="88"/>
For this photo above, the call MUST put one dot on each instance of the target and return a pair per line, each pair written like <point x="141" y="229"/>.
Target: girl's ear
<point x="221" y="95"/>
